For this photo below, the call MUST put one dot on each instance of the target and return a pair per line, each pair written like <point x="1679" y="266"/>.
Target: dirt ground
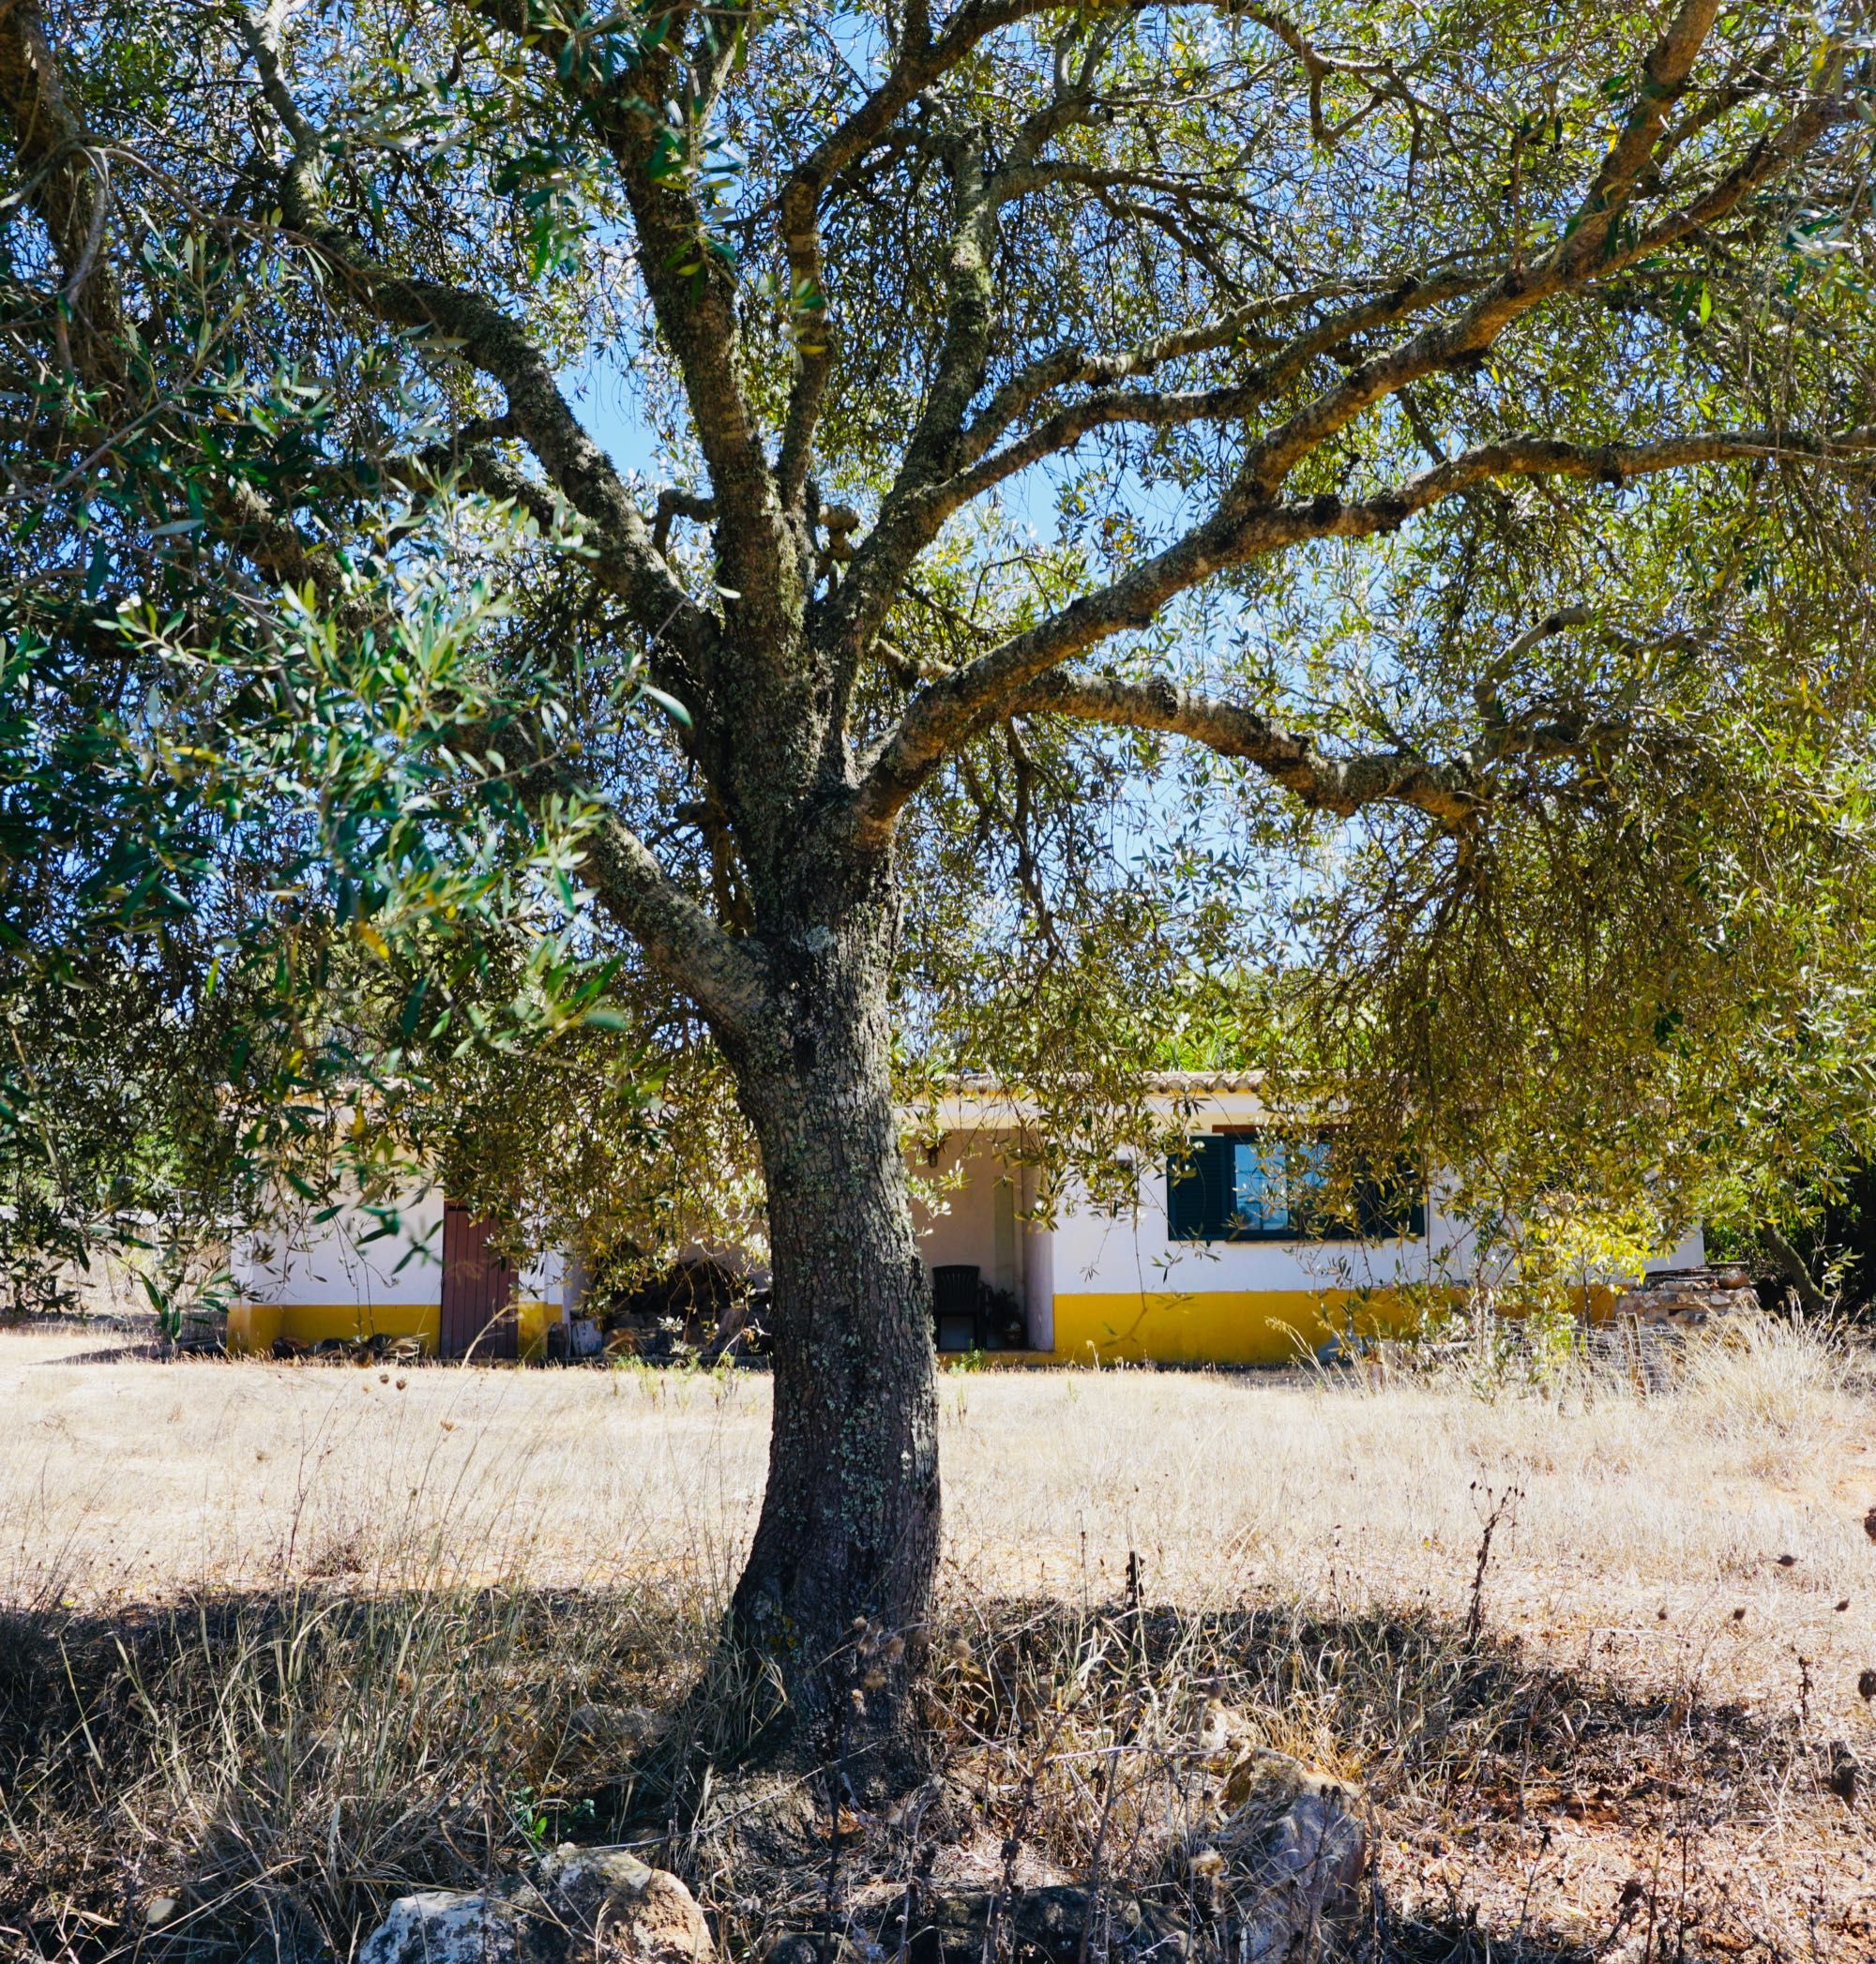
<point x="1688" y="1575"/>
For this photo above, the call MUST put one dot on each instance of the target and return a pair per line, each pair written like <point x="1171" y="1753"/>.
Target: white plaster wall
<point x="1691" y="1253"/>
<point x="330" y="1261"/>
<point x="1688" y="1252"/>
<point x="1095" y="1252"/>
<point x="545" y="1279"/>
<point x="334" y="1261"/>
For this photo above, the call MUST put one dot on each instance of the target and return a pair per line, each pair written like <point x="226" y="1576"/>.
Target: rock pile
<point x="1273" y="1877"/>
<point x="1284" y="1863"/>
<point x="1270" y="1879"/>
<point x="1689" y="1298"/>
<point x="582" y="1906"/>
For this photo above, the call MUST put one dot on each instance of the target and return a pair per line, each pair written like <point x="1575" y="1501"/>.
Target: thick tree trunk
<point x="837" y="1592"/>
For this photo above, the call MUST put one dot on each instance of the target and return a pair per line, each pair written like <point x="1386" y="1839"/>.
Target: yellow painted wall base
<point x="1222" y="1326"/>
<point x="254" y="1328"/>
<point x="531" y="1320"/>
<point x="1201" y="1326"/>
<point x="1246" y="1326"/>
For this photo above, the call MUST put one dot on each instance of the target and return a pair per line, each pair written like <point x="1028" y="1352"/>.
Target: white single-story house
<point x="1220" y="1261"/>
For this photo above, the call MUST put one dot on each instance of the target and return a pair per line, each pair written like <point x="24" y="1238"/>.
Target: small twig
<point x="1095" y="1854"/>
<point x="1501" y="1511"/>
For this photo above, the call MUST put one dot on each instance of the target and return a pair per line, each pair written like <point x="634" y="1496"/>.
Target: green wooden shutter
<point x="1199" y="1192"/>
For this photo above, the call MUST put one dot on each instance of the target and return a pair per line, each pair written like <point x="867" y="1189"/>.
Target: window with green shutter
<point x="1264" y="1187"/>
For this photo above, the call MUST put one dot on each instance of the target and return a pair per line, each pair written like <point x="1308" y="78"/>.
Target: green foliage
<point x="267" y="874"/>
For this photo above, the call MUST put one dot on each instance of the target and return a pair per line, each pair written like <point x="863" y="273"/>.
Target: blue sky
<point x="603" y="402"/>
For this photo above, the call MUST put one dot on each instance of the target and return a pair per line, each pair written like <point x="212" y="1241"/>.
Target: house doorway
<point x="990" y="1265"/>
<point x="477" y="1314"/>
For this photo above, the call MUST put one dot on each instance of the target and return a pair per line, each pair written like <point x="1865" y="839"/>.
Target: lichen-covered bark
<point x="62" y="184"/>
<point x="838" y="1589"/>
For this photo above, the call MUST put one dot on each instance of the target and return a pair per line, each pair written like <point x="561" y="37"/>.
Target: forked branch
<point x="487" y="340"/>
<point x="945" y="712"/>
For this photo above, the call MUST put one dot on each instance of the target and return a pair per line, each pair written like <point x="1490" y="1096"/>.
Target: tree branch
<point x="1161" y="409"/>
<point x="1074" y="366"/>
<point x="1318" y="67"/>
<point x="1553" y="457"/>
<point x="1448" y="791"/>
<point x="672" y="505"/>
<point x="688" y="950"/>
<point x="914" y="512"/>
<point x="1796" y="1270"/>
<point x="68" y="189"/>
<point x="922" y="61"/>
<point x="1249" y="521"/>
<point x="692" y="287"/>
<point x="1577" y="257"/>
<point x="909" y="522"/>
<point x="946" y="711"/>
<point x="489" y="341"/>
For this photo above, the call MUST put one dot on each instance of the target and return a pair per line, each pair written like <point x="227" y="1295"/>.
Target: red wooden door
<point x="477" y="1290"/>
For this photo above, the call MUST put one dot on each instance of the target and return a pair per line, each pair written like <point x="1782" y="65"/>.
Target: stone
<point x="582" y="1906"/>
<point x="1042" y="1925"/>
<point x="1278" y="1873"/>
<point x="628" y="1912"/>
<point x="1285" y="1861"/>
<point x="451" y="1926"/>
<point x="1689" y="1298"/>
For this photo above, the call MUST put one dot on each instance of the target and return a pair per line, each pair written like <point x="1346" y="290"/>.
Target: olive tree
<point x="1366" y="501"/>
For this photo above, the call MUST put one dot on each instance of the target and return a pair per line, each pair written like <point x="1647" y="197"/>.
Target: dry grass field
<point x="1631" y="1752"/>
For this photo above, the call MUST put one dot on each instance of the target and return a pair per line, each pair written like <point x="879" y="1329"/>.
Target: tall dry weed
<point x="258" y="1777"/>
<point x="1771" y="1374"/>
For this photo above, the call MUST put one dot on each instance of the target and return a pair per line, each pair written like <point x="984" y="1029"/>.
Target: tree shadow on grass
<point x="1464" y="1940"/>
<point x="1480" y="1760"/>
<point x="255" y="1777"/>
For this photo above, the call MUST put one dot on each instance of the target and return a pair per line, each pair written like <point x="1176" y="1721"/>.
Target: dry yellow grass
<point x="312" y="1730"/>
<point x="121" y="1477"/>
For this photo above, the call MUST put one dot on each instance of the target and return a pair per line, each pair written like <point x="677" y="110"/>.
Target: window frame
<point x="1211" y="1167"/>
